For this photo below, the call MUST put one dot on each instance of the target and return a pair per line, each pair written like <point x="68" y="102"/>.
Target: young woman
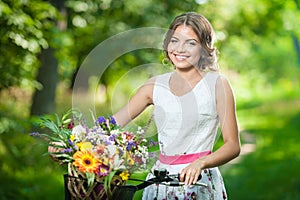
<point x="190" y="104"/>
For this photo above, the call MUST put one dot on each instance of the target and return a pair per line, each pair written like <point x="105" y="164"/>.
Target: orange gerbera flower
<point x="85" y="161"/>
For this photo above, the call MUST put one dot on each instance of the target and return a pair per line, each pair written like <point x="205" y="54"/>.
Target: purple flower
<point x="69" y="150"/>
<point x="34" y="134"/>
<point x="112" y="120"/>
<point x="153" y="143"/>
<point x="70" y="142"/>
<point x="130" y="145"/>
<point x="108" y="142"/>
<point x="112" y="137"/>
<point x="101" y="120"/>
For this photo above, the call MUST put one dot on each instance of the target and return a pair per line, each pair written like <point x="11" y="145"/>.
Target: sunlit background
<point x="43" y="44"/>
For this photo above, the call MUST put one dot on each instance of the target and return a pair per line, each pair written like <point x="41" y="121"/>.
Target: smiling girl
<point x="190" y="104"/>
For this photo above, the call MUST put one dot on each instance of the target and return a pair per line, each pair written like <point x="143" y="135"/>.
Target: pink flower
<point x="103" y="170"/>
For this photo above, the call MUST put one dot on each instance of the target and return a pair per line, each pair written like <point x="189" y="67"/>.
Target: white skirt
<point x="214" y="189"/>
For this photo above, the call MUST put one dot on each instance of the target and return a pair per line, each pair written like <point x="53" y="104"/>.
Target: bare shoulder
<point x="150" y="81"/>
<point x="223" y="88"/>
<point x="149" y="84"/>
<point x="222" y="82"/>
<point x="146" y="90"/>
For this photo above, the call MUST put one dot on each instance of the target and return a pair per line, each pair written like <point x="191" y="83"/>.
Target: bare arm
<point x="137" y="104"/>
<point x="228" y="122"/>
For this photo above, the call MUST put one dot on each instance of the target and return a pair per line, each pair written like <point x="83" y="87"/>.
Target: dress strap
<point x="211" y="79"/>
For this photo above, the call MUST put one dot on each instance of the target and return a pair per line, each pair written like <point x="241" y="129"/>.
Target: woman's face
<point x="184" y="47"/>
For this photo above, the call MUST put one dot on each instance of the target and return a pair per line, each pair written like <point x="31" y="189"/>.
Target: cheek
<point x="196" y="54"/>
<point x="170" y="48"/>
<point x="195" y="57"/>
<point x="170" y="56"/>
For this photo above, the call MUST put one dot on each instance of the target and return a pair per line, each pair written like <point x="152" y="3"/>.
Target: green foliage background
<point x="258" y="43"/>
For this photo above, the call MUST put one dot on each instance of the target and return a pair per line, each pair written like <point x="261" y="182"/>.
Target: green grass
<point x="272" y="170"/>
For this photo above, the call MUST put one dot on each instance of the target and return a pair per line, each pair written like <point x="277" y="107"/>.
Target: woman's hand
<point x="191" y="173"/>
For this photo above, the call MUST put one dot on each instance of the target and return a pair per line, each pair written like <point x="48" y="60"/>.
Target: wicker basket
<point x="76" y="186"/>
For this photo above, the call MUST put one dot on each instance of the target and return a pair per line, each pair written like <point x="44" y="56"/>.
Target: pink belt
<point x="182" y="159"/>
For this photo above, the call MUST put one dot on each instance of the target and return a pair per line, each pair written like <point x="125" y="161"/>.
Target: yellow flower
<point x="79" y="144"/>
<point x="128" y="158"/>
<point x="124" y="175"/>
<point x="84" y="145"/>
<point x="104" y="161"/>
<point x="130" y="161"/>
<point x="85" y="161"/>
<point x="72" y="138"/>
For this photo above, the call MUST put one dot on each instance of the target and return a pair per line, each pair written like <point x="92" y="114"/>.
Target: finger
<point x="182" y="175"/>
<point x="196" y="178"/>
<point x="188" y="180"/>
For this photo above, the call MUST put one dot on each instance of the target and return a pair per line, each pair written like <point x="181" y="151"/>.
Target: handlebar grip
<point x="174" y="183"/>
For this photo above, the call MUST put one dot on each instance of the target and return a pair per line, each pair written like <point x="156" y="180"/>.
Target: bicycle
<point x="161" y="176"/>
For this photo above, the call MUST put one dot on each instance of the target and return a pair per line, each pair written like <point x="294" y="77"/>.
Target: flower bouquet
<point x="99" y="158"/>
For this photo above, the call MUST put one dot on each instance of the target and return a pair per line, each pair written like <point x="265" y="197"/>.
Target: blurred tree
<point x="92" y="22"/>
<point x="249" y="34"/>
<point x="256" y="37"/>
<point x="23" y="26"/>
<point x="296" y="37"/>
<point x="43" y="101"/>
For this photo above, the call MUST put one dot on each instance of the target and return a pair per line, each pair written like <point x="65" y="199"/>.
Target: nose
<point x="180" y="48"/>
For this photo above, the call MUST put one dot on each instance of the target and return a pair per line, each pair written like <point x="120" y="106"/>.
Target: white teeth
<point x="181" y="57"/>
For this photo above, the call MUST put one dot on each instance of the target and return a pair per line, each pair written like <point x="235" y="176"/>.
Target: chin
<point x="183" y="65"/>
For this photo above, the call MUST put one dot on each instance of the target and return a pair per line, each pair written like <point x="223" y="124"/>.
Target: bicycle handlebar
<point x="163" y="177"/>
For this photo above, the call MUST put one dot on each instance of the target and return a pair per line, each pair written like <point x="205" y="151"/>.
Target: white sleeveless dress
<point x="187" y="125"/>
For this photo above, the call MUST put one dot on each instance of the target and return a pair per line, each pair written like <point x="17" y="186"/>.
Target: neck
<point x="189" y="74"/>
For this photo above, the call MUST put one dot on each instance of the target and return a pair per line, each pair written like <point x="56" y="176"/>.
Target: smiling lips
<point x="180" y="57"/>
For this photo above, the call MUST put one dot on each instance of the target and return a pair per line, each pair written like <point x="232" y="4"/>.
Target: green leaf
<point x="90" y="178"/>
<point x="107" y="181"/>
<point x="49" y="124"/>
<point x="58" y="120"/>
